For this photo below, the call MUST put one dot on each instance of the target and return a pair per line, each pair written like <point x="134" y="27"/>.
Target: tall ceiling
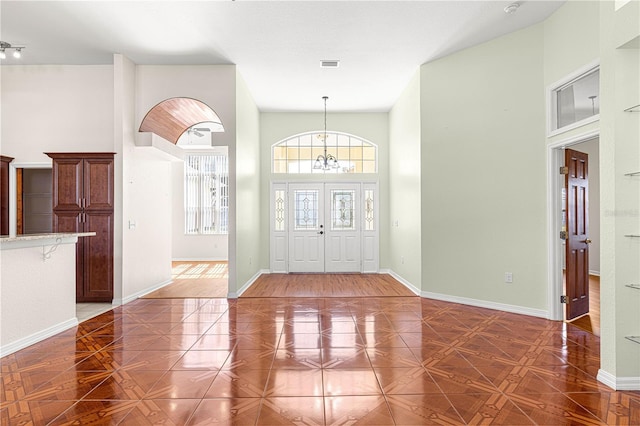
<point x="276" y="45"/>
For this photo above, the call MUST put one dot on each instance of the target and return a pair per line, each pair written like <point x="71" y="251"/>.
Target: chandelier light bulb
<point x="17" y="53"/>
<point x="2" y="54"/>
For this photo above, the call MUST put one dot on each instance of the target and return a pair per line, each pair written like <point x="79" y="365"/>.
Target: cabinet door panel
<point x="69" y="221"/>
<point x="67" y="184"/>
<point x="98" y="258"/>
<point x="98" y="183"/>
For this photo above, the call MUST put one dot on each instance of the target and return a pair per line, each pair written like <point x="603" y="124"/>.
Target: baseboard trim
<point x="401" y="280"/>
<point x="236" y="294"/>
<point x="618" y="383"/>
<point x="147" y="290"/>
<point x="37" y="337"/>
<point x="486" y="304"/>
<point x="465" y="300"/>
<point x="200" y="259"/>
<point x="594" y="273"/>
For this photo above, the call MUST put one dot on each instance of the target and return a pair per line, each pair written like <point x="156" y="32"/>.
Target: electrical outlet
<point x="249" y="260"/>
<point x="508" y="277"/>
<point x="402" y="260"/>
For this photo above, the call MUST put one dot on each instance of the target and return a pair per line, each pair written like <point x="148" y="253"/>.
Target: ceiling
<point x="276" y="45"/>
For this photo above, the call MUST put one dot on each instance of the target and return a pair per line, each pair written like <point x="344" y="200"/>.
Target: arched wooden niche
<point x="172" y="117"/>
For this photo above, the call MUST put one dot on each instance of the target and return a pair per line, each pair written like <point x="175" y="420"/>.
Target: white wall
<point x="142" y="252"/>
<point x="248" y="200"/>
<point x="123" y="114"/>
<point x="276" y="126"/>
<point x="484" y="173"/>
<point x="147" y="203"/>
<point x="620" y="195"/>
<point x="405" y="209"/>
<point x="571" y="42"/>
<point x="55" y="108"/>
<point x="37" y="299"/>
<point x="191" y="247"/>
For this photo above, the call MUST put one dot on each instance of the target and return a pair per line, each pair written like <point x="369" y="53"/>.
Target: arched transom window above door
<point x="300" y="153"/>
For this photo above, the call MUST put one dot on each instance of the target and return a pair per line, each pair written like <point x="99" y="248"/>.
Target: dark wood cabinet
<point x="83" y="202"/>
<point x="4" y="194"/>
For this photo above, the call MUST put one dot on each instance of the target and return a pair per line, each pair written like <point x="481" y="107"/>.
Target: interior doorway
<point x="587" y="241"/>
<point x="324" y="227"/>
<point x="34" y="195"/>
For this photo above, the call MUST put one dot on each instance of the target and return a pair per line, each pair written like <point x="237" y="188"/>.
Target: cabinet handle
<point x="84" y="203"/>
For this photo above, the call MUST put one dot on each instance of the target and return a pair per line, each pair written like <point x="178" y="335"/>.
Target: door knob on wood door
<point x="587" y="241"/>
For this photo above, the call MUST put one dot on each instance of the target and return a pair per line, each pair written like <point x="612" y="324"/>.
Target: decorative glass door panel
<point x="342" y="210"/>
<point x="306" y="209"/>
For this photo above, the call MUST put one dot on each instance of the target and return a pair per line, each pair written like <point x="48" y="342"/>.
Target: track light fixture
<point x="17" y="50"/>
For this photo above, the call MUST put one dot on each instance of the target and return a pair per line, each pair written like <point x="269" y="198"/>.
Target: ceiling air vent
<point x="329" y="64"/>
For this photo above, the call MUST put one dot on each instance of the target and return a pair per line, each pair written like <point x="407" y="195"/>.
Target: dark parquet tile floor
<point x="352" y="361"/>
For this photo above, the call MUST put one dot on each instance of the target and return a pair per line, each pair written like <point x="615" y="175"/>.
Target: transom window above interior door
<point x="575" y="100"/>
<point x="299" y="153"/>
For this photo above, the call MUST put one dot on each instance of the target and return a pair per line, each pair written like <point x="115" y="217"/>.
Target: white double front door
<point x="324" y="227"/>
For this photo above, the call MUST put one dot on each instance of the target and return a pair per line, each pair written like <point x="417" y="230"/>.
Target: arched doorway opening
<point x="199" y="198"/>
<point x="172" y="117"/>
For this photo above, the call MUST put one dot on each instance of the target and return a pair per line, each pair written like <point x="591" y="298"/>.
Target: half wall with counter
<point x="37" y="287"/>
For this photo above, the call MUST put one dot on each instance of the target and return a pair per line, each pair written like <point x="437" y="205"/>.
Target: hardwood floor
<point x="191" y="279"/>
<point x="311" y="361"/>
<point x="591" y="321"/>
<point x="327" y="285"/>
<point x="210" y="280"/>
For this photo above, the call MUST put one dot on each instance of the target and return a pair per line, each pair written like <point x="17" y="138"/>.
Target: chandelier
<point x="326" y="161"/>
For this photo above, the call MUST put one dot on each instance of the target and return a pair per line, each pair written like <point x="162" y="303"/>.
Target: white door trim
<point x="555" y="159"/>
<point x="13" y="195"/>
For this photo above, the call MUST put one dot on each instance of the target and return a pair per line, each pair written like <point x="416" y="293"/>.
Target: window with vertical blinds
<point x="206" y="194"/>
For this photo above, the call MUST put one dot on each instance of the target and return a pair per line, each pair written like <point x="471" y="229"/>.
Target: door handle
<point x="587" y="241"/>
<point x="321" y="232"/>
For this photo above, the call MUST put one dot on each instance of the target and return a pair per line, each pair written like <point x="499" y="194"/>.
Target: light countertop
<point x="32" y="240"/>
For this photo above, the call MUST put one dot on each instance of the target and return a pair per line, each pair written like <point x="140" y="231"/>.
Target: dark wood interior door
<point x="577" y="243"/>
